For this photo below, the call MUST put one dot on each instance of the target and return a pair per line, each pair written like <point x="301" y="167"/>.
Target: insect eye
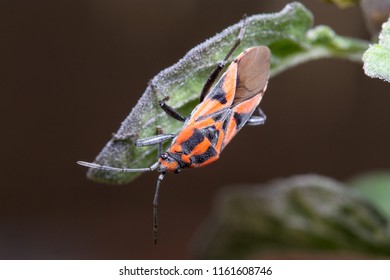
<point x="164" y="156"/>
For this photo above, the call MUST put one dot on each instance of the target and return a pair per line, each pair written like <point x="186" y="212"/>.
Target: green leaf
<point x="376" y="188"/>
<point x="377" y="58"/>
<point x="291" y="40"/>
<point x="301" y="214"/>
<point x="343" y="3"/>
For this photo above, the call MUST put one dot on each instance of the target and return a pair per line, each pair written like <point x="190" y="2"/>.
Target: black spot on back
<point x="199" y="159"/>
<point x="218" y="93"/>
<point x="220" y="97"/>
<point x="225" y="123"/>
<point x="238" y="119"/>
<point x="196" y="138"/>
<point x="211" y="133"/>
<point x="218" y="117"/>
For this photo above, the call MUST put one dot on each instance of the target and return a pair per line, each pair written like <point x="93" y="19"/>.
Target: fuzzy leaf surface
<point x="377" y="58"/>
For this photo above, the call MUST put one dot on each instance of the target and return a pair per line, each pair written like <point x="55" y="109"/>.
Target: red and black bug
<point x="223" y="110"/>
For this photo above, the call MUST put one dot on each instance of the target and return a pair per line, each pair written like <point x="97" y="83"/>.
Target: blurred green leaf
<point x="377" y="58"/>
<point x="343" y="3"/>
<point x="304" y="213"/>
<point x="376" y="188"/>
<point x="291" y="40"/>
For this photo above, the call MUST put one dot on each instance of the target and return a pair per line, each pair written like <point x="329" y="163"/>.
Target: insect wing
<point x="220" y="97"/>
<point x="252" y="78"/>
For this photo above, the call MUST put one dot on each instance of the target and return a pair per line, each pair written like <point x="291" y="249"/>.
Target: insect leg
<point x="159" y="131"/>
<point x="213" y="76"/>
<point x="153" y="140"/>
<point x="166" y="108"/>
<point x="148" y="141"/>
<point x="155" y="204"/>
<point x="257" y="120"/>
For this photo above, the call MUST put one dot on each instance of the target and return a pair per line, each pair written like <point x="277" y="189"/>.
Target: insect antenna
<point x="117" y="169"/>
<point x="155" y="204"/>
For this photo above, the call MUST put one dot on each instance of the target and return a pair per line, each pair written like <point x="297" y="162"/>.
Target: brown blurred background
<point x="72" y="71"/>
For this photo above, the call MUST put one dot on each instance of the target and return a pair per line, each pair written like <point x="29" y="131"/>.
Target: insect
<point x="223" y="110"/>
